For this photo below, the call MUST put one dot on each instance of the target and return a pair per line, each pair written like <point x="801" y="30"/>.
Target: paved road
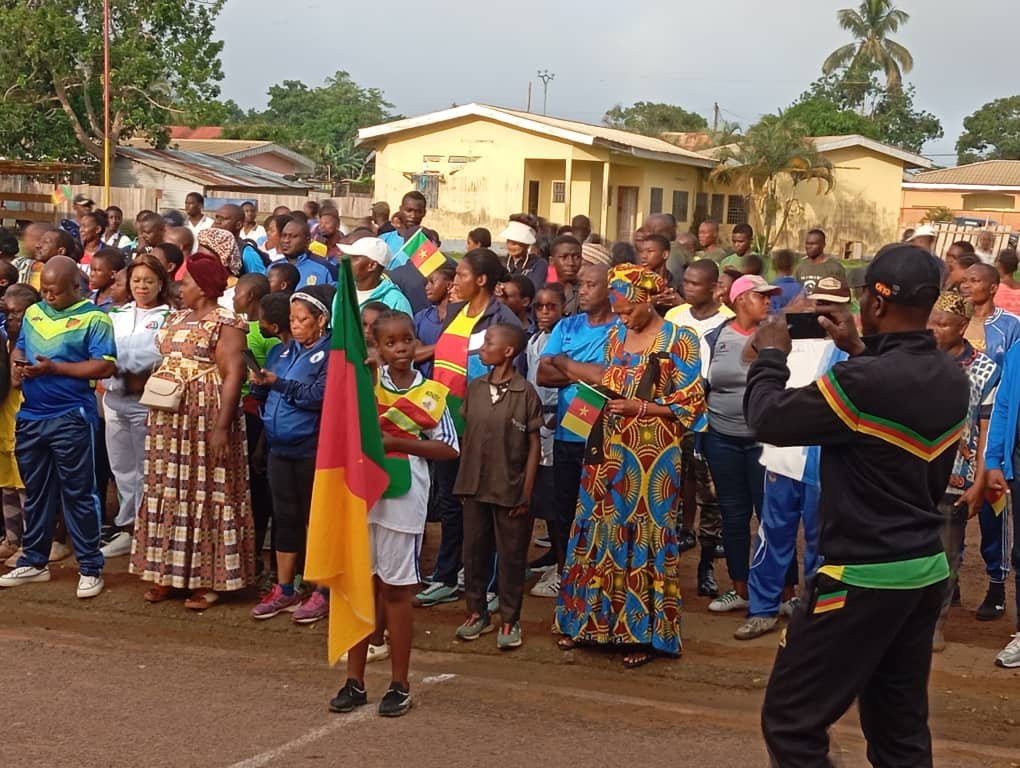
<point x="115" y="682"/>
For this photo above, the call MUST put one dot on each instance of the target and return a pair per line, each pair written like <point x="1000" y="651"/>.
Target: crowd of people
<point x="602" y="388"/>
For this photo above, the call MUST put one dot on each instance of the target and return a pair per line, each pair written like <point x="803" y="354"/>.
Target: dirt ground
<point x="115" y="682"/>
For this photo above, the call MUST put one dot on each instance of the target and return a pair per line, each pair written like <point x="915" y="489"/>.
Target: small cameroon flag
<point x="423" y="253"/>
<point x="585" y="409"/>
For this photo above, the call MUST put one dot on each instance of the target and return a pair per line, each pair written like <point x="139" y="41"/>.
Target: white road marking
<point x="341" y="722"/>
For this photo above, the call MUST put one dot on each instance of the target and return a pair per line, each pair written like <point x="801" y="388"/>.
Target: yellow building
<point x="982" y="193"/>
<point x="477" y="164"/>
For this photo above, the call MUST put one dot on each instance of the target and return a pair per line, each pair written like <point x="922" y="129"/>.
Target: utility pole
<point x="529" y="97"/>
<point x="107" y="159"/>
<point x="545" y="76"/>
<point x="715" y="117"/>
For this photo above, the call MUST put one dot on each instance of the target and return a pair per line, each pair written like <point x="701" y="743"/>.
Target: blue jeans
<point x="56" y="458"/>
<point x="787" y="502"/>
<point x="739" y="485"/>
<point x="995" y="543"/>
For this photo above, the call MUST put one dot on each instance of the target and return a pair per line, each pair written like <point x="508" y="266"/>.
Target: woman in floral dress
<point x="620" y="586"/>
<point x="195" y="528"/>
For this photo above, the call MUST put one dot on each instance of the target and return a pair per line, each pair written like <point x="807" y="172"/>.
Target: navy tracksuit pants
<point x="56" y="458"/>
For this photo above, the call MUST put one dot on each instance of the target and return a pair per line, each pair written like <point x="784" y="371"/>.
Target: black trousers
<point x="261" y="497"/>
<point x="568" y="459"/>
<point x="291" y="482"/>
<point x="876" y="648"/>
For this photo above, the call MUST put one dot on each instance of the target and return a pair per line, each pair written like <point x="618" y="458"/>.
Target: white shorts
<point x="394" y="556"/>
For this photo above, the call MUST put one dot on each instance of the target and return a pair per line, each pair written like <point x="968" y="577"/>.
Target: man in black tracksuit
<point x="888" y="421"/>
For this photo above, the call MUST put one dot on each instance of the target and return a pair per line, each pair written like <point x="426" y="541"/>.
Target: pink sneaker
<point x="314" y="608"/>
<point x="276" y="602"/>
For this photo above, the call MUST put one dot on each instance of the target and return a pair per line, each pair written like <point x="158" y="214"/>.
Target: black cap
<point x="904" y="274"/>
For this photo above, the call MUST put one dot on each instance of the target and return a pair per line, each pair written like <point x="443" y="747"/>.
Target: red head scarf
<point x="208" y="272"/>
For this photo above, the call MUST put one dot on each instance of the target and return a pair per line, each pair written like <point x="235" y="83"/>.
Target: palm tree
<point x="767" y="165"/>
<point x="871" y="23"/>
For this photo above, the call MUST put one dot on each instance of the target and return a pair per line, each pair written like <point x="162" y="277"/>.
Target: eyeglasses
<point x="549" y="305"/>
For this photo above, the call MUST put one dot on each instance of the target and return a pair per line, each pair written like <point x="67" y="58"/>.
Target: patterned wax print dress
<point x="194" y="527"/>
<point x="620" y="585"/>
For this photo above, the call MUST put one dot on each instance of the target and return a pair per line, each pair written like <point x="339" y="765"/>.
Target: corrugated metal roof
<point x="567" y="130"/>
<point x="989" y="173"/>
<point x="210" y="170"/>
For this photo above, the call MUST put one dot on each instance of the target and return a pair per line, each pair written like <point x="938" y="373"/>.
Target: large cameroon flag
<point x="349" y="478"/>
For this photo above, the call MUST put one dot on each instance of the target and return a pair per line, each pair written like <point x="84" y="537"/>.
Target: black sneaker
<point x="685" y="539"/>
<point x="396" y="702"/>
<point x="719" y="552"/>
<point x="349" y="697"/>
<point x="994" y="605"/>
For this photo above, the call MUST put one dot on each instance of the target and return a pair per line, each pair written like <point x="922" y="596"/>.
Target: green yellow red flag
<point x="349" y="478"/>
<point x="585" y="409"/>
<point x="423" y="253"/>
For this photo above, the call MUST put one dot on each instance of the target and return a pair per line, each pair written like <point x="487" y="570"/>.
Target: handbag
<point x="163" y="394"/>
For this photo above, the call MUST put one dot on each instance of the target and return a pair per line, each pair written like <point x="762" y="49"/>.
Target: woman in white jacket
<point x="135" y="326"/>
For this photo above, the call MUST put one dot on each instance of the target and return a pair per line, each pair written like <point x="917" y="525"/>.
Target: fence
<point x="134" y="199"/>
<point x="951" y="233"/>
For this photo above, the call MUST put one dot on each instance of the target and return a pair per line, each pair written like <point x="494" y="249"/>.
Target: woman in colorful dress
<point x="194" y="529"/>
<point x="620" y="586"/>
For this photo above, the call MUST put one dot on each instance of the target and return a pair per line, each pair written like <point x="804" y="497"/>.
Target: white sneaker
<point x="59" y="551"/>
<point x="728" y="601"/>
<point x="26" y="574"/>
<point x="492" y="601"/>
<point x="89" y="586"/>
<point x="756" y="626"/>
<point x="787" y="607"/>
<point x="460" y="579"/>
<point x="1009" y="657"/>
<point x="375" y="653"/>
<point x="548" y="585"/>
<point x="118" y="545"/>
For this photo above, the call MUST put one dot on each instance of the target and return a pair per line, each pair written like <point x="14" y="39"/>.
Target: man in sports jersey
<point x="888" y="421"/>
<point x="65" y="344"/>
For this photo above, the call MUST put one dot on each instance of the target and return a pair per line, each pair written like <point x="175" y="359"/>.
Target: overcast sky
<point x="751" y="57"/>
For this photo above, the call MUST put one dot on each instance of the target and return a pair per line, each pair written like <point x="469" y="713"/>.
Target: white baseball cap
<point x="519" y="233"/>
<point x="369" y="247"/>
<point x="925" y="230"/>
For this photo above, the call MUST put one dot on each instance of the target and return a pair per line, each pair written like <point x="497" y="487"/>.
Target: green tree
<point x="212" y="113"/>
<point x="991" y="133"/>
<point x="653" y="119"/>
<point x="321" y="122"/>
<point x="768" y="164"/>
<point x="871" y="23"/>
<point x="829" y="107"/>
<point x="163" y="60"/>
<point x="821" y="117"/>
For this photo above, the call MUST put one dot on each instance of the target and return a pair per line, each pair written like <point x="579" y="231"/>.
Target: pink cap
<point x="754" y="283"/>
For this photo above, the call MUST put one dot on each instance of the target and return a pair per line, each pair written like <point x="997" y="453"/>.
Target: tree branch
<point x="153" y="102"/>
<point x="90" y="110"/>
<point x="79" y="132"/>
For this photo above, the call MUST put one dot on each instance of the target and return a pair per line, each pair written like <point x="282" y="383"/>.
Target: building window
<point x="701" y="206"/>
<point x="681" y="199"/>
<point x="718" y="203"/>
<point x="559" y="192"/>
<point x="655" y="204"/>
<point x="428" y="185"/>
<point x="736" y="211"/>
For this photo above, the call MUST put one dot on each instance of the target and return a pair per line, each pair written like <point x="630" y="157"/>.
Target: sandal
<point x="157" y="594"/>
<point x="637" y="659"/>
<point x="201" y="599"/>
<point x="566" y="643"/>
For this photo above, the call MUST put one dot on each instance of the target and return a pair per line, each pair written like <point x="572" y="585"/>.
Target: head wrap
<point x="955" y="304"/>
<point x="634" y="284"/>
<point x="208" y="272"/>
<point x="595" y="253"/>
<point x="224" y="245"/>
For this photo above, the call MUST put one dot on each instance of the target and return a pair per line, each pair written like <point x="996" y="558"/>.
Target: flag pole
<point x="106" y="103"/>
